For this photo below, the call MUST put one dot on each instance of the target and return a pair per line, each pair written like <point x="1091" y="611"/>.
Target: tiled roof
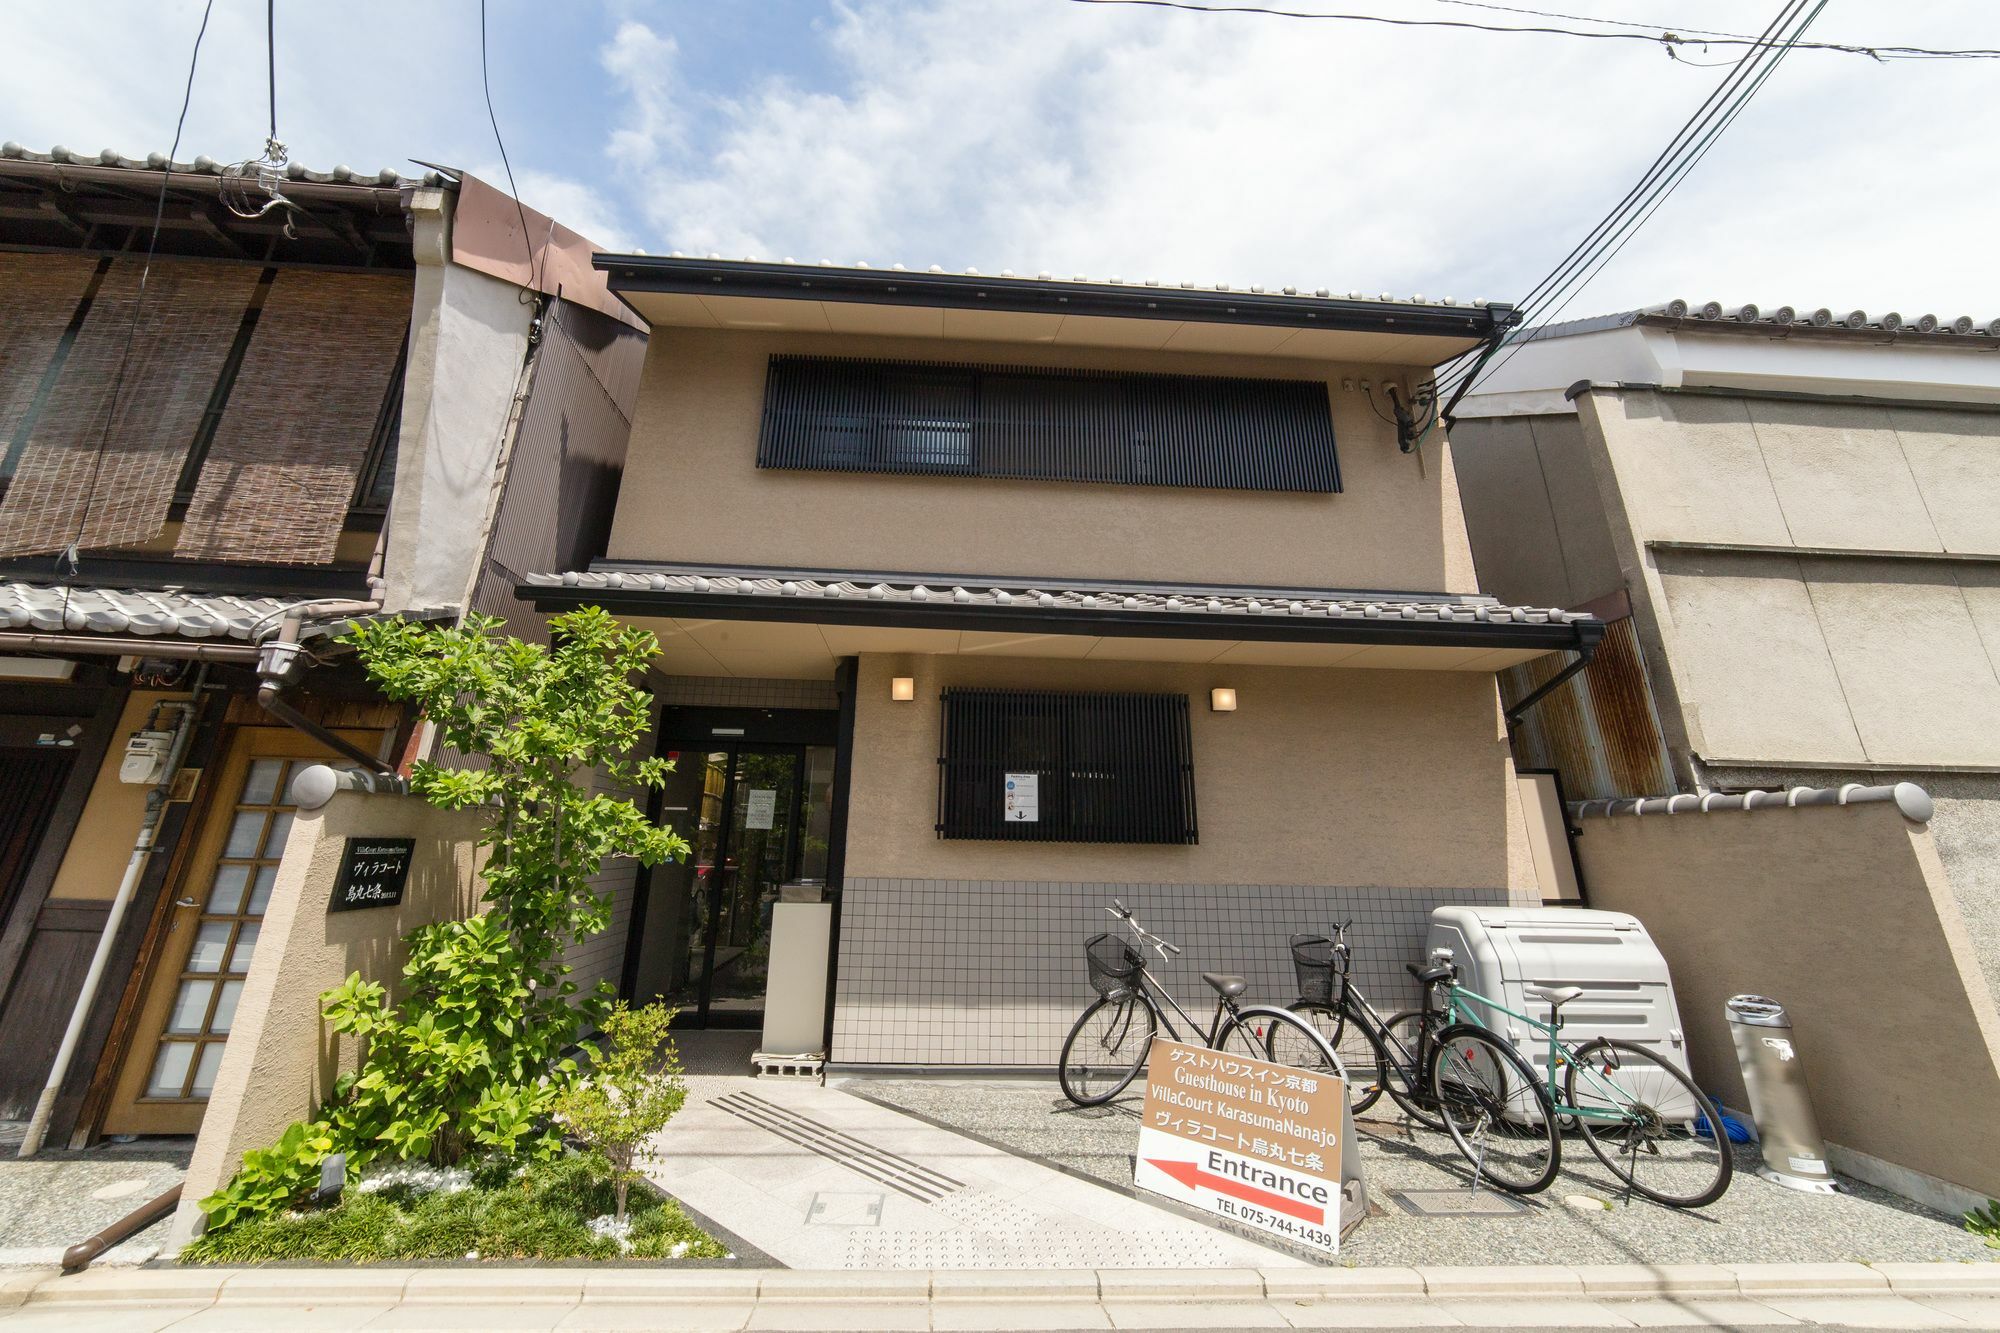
<point x="1025" y="596"/>
<point x="1254" y="289"/>
<point x="208" y="166"/>
<point x="36" y="608"/>
<point x="1784" y="318"/>
<point x="1912" y="800"/>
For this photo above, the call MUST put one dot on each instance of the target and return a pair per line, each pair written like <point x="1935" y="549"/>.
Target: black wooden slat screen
<point x="837" y="415"/>
<point x="1111" y="767"/>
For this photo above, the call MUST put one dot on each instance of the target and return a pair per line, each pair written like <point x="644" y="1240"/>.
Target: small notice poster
<point x="372" y="873"/>
<point x="761" y="811"/>
<point x="1024" y="798"/>
<point x="1255" y="1142"/>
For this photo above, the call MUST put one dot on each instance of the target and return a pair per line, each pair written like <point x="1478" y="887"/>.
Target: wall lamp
<point x="903" y="689"/>
<point x="1222" y="699"/>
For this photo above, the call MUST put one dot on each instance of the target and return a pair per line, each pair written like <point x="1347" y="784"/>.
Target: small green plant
<point x="634" y="1089"/>
<point x="1985" y="1223"/>
<point x="491" y="1211"/>
<point x="468" y="1060"/>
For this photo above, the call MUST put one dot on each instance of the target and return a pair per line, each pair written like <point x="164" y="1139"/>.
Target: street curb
<point x="469" y="1285"/>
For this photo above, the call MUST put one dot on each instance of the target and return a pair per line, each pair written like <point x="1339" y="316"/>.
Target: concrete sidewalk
<point x="816" y="1178"/>
<point x="633" y="1298"/>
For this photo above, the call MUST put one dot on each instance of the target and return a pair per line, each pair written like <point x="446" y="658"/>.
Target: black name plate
<point x="372" y="873"/>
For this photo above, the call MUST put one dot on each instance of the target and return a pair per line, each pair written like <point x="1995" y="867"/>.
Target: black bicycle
<point x="1375" y="1052"/>
<point x="1107" y="1047"/>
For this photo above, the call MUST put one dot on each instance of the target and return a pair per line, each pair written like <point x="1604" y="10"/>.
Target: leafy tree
<point x="470" y="1058"/>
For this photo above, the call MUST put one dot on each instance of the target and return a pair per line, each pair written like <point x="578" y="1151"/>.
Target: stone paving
<point x="1755" y="1222"/>
<point x="51" y="1201"/>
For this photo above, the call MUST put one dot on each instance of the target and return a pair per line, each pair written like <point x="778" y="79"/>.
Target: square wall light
<point x="903" y="689"/>
<point x="1222" y="699"/>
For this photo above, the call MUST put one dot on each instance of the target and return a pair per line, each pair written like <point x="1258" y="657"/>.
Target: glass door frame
<point x="695" y="733"/>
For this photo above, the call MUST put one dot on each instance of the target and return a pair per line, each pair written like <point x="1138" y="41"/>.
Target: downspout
<point x="1586" y="649"/>
<point x="142" y="853"/>
<point x="278" y="658"/>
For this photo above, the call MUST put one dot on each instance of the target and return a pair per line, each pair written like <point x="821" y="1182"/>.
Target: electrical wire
<point x="528" y="296"/>
<point x="271" y="58"/>
<point x="71" y="558"/>
<point x="1663" y="37"/>
<point x="1612" y="235"/>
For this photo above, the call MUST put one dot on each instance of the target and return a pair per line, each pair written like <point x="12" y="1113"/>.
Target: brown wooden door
<point x="215" y="914"/>
<point x="31" y="778"/>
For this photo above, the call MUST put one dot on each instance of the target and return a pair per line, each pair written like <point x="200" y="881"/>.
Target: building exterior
<point x="363" y="402"/>
<point x="986" y="600"/>
<point x="1793" y="525"/>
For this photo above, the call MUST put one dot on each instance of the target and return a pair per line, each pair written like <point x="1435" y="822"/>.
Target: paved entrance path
<point x="816" y="1178"/>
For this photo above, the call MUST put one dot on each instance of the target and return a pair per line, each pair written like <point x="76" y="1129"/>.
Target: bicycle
<point x="1378" y="1054"/>
<point x="1108" y="1044"/>
<point x="1508" y="1121"/>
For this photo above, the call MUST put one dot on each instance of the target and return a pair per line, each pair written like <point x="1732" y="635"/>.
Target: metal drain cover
<point x="845" y="1210"/>
<point x="1458" y="1203"/>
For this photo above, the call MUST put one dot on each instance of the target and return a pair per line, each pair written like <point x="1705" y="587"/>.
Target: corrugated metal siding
<point x="1600" y="730"/>
<point x="63" y="490"/>
<point x="276" y="484"/>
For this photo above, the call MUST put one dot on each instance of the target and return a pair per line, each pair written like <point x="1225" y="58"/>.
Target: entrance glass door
<point x="749" y="813"/>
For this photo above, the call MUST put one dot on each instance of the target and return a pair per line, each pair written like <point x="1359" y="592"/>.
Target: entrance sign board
<point x="1024" y="798"/>
<point x="373" y="872"/>
<point x="761" y="811"/>
<point x="1255" y="1142"/>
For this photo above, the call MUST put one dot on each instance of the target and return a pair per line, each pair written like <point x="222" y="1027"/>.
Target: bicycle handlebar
<point x="1124" y="913"/>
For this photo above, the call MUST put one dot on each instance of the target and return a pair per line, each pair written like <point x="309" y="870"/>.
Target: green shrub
<point x="1985" y="1223"/>
<point x="633" y="1090"/>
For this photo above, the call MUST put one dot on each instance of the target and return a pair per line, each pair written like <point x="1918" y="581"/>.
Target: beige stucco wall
<point x="1533" y="512"/>
<point x="1866" y="635"/>
<point x="1897" y="1028"/>
<point x="692" y="490"/>
<point x="99" y="850"/>
<point x="1321" y="777"/>
<point x="282" y="1059"/>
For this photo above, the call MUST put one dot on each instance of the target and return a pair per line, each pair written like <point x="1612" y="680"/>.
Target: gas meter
<point x="145" y="756"/>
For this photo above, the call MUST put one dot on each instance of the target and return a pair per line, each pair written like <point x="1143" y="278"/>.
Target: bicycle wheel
<point x="1638" y="1114"/>
<point x="1106" y="1049"/>
<point x="1495" y="1112"/>
<point x="1396" y="1065"/>
<point x="1264" y="1033"/>
<point x="1287" y="1045"/>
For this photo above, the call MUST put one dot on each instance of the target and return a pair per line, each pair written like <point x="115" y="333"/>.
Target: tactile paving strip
<point x="884" y="1168"/>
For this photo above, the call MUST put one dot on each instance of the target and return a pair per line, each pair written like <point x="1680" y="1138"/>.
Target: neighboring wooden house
<point x="359" y="404"/>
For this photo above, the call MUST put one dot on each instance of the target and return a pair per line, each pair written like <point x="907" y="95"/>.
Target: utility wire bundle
<point x="1552" y="295"/>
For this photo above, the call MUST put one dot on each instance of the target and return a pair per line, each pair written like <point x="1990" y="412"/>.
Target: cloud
<point x="1150" y="143"/>
<point x="641" y="62"/>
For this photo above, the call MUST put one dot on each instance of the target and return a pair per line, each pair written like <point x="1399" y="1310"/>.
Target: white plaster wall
<point x="468" y="339"/>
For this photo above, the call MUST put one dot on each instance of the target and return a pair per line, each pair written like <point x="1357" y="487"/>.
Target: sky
<point x="1049" y="135"/>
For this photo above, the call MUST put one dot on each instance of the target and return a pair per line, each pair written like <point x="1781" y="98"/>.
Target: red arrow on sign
<point x="1195" y="1178"/>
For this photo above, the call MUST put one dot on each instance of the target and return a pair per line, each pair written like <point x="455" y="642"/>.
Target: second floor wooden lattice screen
<point x="1034" y="423"/>
<point x="276" y="482"/>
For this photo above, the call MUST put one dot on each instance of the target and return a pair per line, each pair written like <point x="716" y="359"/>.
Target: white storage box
<point x="1626" y="990"/>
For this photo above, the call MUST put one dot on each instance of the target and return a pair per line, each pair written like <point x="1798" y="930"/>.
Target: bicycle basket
<point x="1114" y="966"/>
<point x="1312" y="959"/>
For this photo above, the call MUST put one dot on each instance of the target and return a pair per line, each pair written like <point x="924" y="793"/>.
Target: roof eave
<point x="955" y="291"/>
<point x="1104" y="623"/>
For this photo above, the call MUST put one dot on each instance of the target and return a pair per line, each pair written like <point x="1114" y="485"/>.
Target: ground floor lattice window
<point x="1042" y="766"/>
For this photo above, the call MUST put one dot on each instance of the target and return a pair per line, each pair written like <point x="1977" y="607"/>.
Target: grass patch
<point x="543" y="1212"/>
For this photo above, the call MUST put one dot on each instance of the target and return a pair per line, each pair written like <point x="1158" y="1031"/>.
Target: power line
<point x="1664" y="37"/>
<point x="534" y="270"/>
<point x="1609" y="237"/>
<point x="70" y="555"/>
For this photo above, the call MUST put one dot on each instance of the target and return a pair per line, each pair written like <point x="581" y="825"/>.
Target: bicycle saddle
<point x="1427" y="975"/>
<point x="1554" y="996"/>
<point x="1229" y="987"/>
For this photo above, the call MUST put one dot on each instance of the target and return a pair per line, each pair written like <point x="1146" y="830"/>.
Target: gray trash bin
<point x="1775" y="1077"/>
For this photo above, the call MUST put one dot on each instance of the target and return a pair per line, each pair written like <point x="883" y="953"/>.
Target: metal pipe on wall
<point x="142" y="852"/>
